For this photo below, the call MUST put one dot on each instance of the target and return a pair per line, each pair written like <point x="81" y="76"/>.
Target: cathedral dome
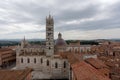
<point x="60" y="41"/>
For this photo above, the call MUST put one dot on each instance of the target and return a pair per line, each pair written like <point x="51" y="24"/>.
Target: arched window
<point x="56" y="65"/>
<point x="41" y="60"/>
<point x="21" y="60"/>
<point x="113" y="53"/>
<point x="34" y="60"/>
<point x="64" y="64"/>
<point x="49" y="48"/>
<point x="28" y="60"/>
<point x="47" y="62"/>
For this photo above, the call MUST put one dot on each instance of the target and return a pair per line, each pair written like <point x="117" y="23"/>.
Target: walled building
<point x="7" y="57"/>
<point x="41" y="58"/>
<point x="77" y="48"/>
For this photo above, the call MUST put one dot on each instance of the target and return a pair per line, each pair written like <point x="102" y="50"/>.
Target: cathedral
<point x="45" y="60"/>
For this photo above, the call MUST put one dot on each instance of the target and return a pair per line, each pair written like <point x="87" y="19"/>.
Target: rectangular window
<point x="56" y="65"/>
<point x="41" y="60"/>
<point x="47" y="63"/>
<point x="64" y="64"/>
<point x="49" y="29"/>
<point x="49" y="34"/>
<point x="34" y="60"/>
<point x="21" y="60"/>
<point x="28" y="60"/>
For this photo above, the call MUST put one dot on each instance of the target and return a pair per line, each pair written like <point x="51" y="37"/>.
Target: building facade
<point x="41" y="58"/>
<point x="7" y="57"/>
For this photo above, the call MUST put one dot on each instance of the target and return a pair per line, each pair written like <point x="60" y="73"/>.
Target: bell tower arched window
<point x="64" y="64"/>
<point x="41" y="60"/>
<point x="56" y="65"/>
<point x="48" y="63"/>
<point x="34" y="60"/>
<point x="21" y="60"/>
<point x="28" y="60"/>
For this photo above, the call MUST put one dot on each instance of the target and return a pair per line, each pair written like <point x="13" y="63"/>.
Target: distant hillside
<point x="118" y="40"/>
<point x="10" y="42"/>
<point x="18" y="40"/>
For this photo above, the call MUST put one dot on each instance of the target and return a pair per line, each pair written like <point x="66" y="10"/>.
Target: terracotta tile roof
<point x="110" y="64"/>
<point x="104" y="71"/>
<point x="63" y="55"/>
<point x="96" y="63"/>
<point x="31" y="53"/>
<point x="72" y="57"/>
<point x="115" y="70"/>
<point x="14" y="74"/>
<point x="12" y="47"/>
<point x="8" y="52"/>
<point x="84" y="71"/>
<point x="4" y="49"/>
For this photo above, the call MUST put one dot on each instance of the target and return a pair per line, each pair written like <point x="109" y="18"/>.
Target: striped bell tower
<point x="49" y="36"/>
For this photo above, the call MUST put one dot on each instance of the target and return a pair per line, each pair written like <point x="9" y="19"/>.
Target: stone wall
<point x="78" y="49"/>
<point x="56" y="67"/>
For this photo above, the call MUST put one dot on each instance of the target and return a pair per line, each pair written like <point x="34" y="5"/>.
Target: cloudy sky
<point x="75" y="19"/>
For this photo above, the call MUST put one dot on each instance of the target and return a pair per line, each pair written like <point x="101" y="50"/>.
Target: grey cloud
<point x="67" y="15"/>
<point x="112" y="22"/>
<point x="91" y="25"/>
<point x="26" y="32"/>
<point x="35" y="11"/>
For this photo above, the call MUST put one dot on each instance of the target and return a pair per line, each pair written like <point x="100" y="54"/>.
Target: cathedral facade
<point x="45" y="60"/>
<point x="41" y="58"/>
